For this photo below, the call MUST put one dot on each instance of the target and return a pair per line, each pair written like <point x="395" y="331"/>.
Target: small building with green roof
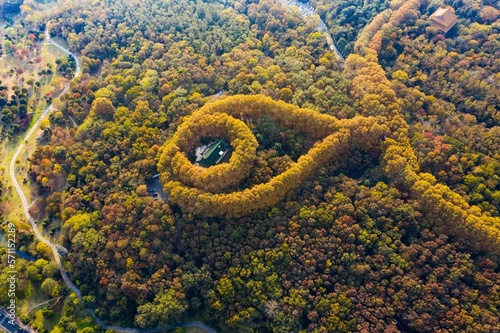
<point x="214" y="153"/>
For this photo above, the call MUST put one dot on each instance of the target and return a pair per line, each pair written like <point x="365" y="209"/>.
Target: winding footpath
<point x="307" y="11"/>
<point x="18" y="188"/>
<point x="54" y="247"/>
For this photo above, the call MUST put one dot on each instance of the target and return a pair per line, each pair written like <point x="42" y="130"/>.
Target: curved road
<point x="307" y="10"/>
<point x="18" y="188"/>
<point x="54" y="247"/>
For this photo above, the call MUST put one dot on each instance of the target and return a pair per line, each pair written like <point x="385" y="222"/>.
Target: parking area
<point x="155" y="189"/>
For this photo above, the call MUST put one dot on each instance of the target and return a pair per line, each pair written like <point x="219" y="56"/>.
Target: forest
<point x="359" y="197"/>
<point x="10" y="7"/>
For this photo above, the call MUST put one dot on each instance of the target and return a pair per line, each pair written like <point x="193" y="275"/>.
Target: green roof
<point x="215" y="152"/>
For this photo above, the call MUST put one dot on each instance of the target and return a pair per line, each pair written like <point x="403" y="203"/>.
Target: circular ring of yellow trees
<point x="200" y="190"/>
<point x="218" y="177"/>
<point x="380" y="125"/>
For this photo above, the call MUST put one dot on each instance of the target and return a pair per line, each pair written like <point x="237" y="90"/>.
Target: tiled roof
<point x="444" y="18"/>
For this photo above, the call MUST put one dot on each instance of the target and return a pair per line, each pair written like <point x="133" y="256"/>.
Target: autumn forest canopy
<point x="359" y="195"/>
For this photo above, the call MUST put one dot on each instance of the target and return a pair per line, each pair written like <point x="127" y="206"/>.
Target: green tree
<point x="103" y="107"/>
<point x="50" y="287"/>
<point x="167" y="308"/>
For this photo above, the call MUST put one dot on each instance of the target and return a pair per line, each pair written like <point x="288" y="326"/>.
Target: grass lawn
<point x="32" y="62"/>
<point x="85" y="320"/>
<point x="47" y="53"/>
<point x="40" y="321"/>
<point x="61" y="42"/>
<point x="12" y="202"/>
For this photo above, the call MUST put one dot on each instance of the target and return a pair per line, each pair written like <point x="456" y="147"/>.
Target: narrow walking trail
<point x="307" y="11"/>
<point x="12" y="173"/>
<point x="54" y="247"/>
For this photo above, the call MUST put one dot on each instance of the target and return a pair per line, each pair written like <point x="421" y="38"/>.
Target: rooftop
<point x="444" y="18"/>
<point x="212" y="154"/>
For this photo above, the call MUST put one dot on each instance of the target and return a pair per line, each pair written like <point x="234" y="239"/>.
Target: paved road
<point x="5" y="326"/>
<point x="54" y="247"/>
<point x="307" y="11"/>
<point x="156" y="189"/>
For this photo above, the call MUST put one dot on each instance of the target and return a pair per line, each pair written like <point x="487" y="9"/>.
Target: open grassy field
<point x="17" y="69"/>
<point x="12" y="202"/>
<point x="24" y="66"/>
<point x="27" y="61"/>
